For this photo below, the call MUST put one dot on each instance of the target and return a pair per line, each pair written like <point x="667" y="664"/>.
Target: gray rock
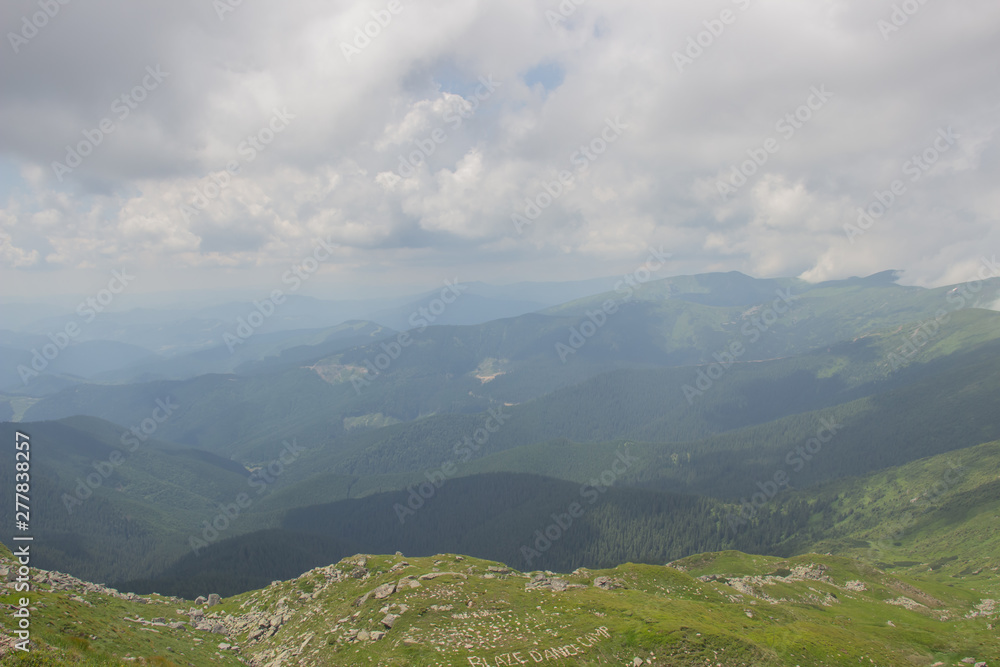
<point x="384" y="591"/>
<point x="176" y="626"/>
<point x="540" y="581"/>
<point x="364" y="636"/>
<point x="434" y="575"/>
<point x="607" y="583"/>
<point x="377" y="635"/>
<point x="214" y="599"/>
<point x="390" y="620"/>
<point x="200" y="600"/>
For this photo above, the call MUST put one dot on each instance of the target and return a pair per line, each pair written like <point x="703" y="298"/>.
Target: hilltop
<point x="725" y="609"/>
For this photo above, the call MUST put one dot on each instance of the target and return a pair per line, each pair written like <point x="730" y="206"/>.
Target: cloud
<point x="335" y="169"/>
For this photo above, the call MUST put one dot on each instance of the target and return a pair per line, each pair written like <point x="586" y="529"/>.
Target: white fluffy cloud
<point x="402" y="155"/>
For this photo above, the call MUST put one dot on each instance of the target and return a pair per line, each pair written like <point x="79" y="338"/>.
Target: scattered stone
<point x="200" y="600"/>
<point x="435" y="575"/>
<point x="540" y="581"/>
<point x="856" y="586"/>
<point x="224" y="646"/>
<point x="636" y="662"/>
<point x="907" y="603"/>
<point x="607" y="583"/>
<point x="214" y="599"/>
<point x="377" y="635"/>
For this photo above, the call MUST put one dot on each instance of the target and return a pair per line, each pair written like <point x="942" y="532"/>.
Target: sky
<point x="214" y="144"/>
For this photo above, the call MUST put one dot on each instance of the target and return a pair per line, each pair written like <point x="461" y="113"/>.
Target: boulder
<point x="434" y="575"/>
<point x="607" y="583"/>
<point x="384" y="591"/>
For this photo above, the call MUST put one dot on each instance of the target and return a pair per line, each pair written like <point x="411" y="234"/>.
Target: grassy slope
<point x="938" y="516"/>
<point x="722" y="609"/>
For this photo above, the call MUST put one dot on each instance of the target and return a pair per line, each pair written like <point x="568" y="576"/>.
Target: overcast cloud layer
<point x="211" y="75"/>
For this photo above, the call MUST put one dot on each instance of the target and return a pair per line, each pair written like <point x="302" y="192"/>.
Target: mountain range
<point x="708" y="469"/>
